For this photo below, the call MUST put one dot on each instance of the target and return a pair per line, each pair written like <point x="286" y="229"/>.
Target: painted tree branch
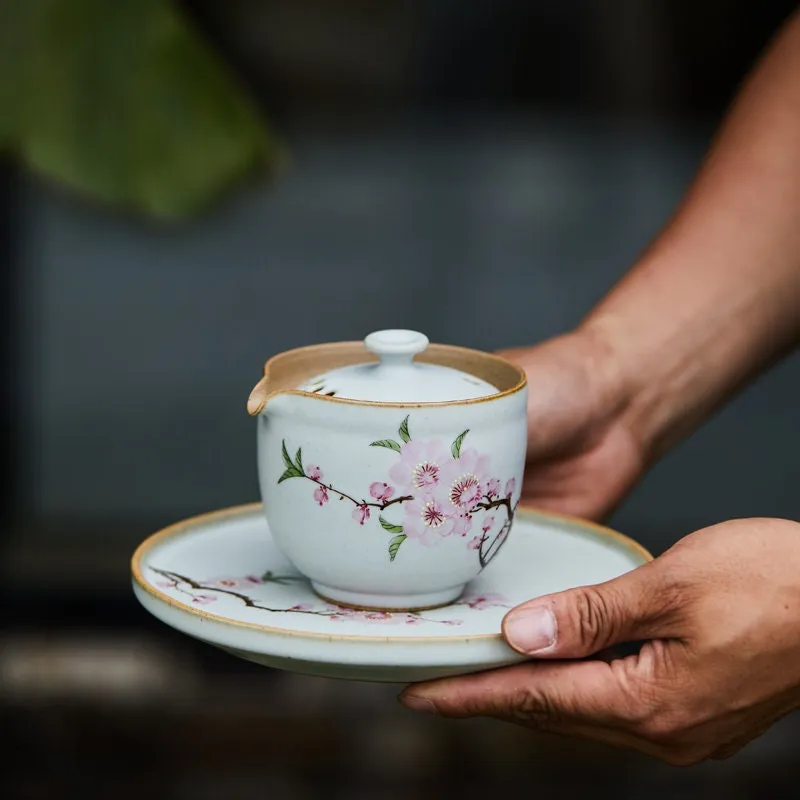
<point x="486" y="554"/>
<point x="176" y="578"/>
<point x="343" y="495"/>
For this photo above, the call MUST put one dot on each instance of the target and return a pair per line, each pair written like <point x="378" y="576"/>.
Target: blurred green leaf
<point x="125" y="102"/>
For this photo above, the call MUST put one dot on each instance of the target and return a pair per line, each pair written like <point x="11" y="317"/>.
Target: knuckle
<point x="662" y="727"/>
<point x="640" y="700"/>
<point x="537" y="710"/>
<point x="593" y="617"/>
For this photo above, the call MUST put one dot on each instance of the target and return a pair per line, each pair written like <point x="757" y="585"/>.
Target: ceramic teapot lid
<point x="396" y="377"/>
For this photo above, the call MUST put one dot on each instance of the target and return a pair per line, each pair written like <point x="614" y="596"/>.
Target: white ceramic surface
<point x="221" y="579"/>
<point x="393" y="505"/>
<point x="396" y="377"/>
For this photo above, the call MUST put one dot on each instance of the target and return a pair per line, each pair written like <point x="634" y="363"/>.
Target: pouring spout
<point x="258" y="397"/>
<point x="285" y="372"/>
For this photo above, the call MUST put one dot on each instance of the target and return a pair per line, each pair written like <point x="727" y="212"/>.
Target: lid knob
<point x="396" y="346"/>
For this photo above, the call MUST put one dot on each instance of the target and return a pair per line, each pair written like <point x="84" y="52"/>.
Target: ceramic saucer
<point x="220" y="578"/>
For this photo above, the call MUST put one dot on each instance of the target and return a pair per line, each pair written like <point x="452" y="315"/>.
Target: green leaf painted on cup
<point x="404" y="434"/>
<point x="394" y="545"/>
<point x="292" y="472"/>
<point x="285" y="453"/>
<point x="456" y="448"/>
<point x="390" y="443"/>
<point x="388" y="526"/>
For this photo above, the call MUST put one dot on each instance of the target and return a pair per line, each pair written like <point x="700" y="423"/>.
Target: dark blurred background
<point x="531" y="147"/>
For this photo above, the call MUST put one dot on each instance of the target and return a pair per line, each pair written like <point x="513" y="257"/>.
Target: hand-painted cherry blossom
<point x="333" y="612"/>
<point x="204" y="599"/>
<point x="381" y="491"/>
<point x="492" y="488"/>
<point x="481" y="601"/>
<point x="425" y="519"/>
<point x="433" y="514"/>
<point x="460" y="522"/>
<point x="439" y="490"/>
<point x="465" y="491"/>
<point x="420" y="465"/>
<point x="321" y="495"/>
<point x="361" y="513"/>
<point x="464" y="478"/>
<point x="233" y="583"/>
<point x="342" y="614"/>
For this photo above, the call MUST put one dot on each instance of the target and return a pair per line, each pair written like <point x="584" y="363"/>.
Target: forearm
<point x="716" y="298"/>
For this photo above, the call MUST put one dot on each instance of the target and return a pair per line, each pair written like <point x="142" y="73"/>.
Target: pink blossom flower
<point x="204" y="599"/>
<point x="233" y="583"/>
<point x="464" y="478"/>
<point x="343" y="614"/>
<point x="419" y="465"/>
<point x="166" y="584"/>
<point x="460" y="522"/>
<point x="479" y="602"/>
<point x="465" y="491"/>
<point x="227" y="583"/>
<point x="412" y="619"/>
<point x="377" y="616"/>
<point x="475" y="542"/>
<point x="361" y="513"/>
<point x="381" y="491"/>
<point x="487" y="524"/>
<point x="314" y="472"/>
<point x="301" y="607"/>
<point x="321" y="495"/>
<point x="511" y="484"/>
<point x="492" y="488"/>
<point x="426" y="520"/>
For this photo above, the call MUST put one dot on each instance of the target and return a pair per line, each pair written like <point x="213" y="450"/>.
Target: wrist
<point x="643" y="390"/>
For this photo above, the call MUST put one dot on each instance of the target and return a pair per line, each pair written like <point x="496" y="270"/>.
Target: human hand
<point x="582" y="459"/>
<point x="719" y="615"/>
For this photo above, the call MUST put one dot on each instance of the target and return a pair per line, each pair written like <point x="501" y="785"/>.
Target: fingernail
<point x="418" y="704"/>
<point x="531" y="630"/>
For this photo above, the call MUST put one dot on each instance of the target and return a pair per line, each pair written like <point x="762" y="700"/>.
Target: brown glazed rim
<point x="284" y="372"/>
<point x="531" y="513"/>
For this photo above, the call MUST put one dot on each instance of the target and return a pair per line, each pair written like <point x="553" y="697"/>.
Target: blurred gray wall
<point x="142" y="344"/>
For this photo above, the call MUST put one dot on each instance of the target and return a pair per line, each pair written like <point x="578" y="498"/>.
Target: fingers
<point x="581" y="622"/>
<point x="589" y="700"/>
<point x="546" y="696"/>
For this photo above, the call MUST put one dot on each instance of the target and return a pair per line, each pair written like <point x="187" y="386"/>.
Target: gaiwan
<point x="390" y="469"/>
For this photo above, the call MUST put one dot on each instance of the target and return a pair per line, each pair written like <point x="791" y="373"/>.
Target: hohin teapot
<point x="390" y="469"/>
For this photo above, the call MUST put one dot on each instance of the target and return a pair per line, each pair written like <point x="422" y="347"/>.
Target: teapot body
<point x="391" y="506"/>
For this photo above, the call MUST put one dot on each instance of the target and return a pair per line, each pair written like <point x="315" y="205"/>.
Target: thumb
<point x="584" y="621"/>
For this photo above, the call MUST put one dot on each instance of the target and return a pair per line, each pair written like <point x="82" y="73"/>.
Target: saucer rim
<point x="189" y="524"/>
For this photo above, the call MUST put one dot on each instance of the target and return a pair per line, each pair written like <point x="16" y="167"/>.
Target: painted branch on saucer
<point x="432" y="492"/>
<point x="206" y="592"/>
